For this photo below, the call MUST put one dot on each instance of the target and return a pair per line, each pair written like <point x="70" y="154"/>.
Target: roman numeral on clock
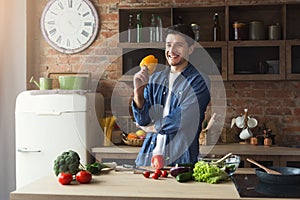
<point x="51" y="22"/>
<point x="88" y="23"/>
<point x="54" y="13"/>
<point x="85" y="14"/>
<point x="60" y="5"/>
<point x="59" y="39"/>
<point x="52" y="31"/>
<point x="79" y="6"/>
<point x="84" y="33"/>
<point x="70" y="3"/>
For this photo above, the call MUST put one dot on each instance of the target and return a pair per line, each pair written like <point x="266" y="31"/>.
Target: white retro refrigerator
<point x="49" y="124"/>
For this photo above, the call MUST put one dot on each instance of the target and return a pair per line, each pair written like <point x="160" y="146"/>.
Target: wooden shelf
<point x="142" y="45"/>
<point x="293" y="59"/>
<point x="245" y="60"/>
<point x="233" y="58"/>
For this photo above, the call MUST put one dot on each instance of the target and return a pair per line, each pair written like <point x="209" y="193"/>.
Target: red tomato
<point x="154" y="176"/>
<point x="146" y="174"/>
<point x="158" y="172"/>
<point x="83" y="176"/>
<point x="164" y="173"/>
<point x="65" y="178"/>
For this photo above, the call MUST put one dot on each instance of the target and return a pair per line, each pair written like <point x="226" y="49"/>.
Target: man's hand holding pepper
<point x="140" y="80"/>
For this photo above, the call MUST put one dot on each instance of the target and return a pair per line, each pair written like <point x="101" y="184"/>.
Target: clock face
<point x="69" y="26"/>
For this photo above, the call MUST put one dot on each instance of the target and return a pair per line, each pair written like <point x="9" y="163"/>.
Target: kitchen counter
<point x="278" y="155"/>
<point x="126" y="185"/>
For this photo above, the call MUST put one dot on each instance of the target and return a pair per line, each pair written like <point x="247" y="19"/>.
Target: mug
<point x="252" y="122"/>
<point x="240" y="121"/>
<point x="46" y="83"/>
<point x="246" y="134"/>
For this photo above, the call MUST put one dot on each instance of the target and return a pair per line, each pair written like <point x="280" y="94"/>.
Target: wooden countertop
<point x="277" y="155"/>
<point x="219" y="149"/>
<point x="126" y="185"/>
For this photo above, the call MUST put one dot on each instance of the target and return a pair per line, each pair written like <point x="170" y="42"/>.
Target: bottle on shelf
<point x="179" y="19"/>
<point x="216" y="28"/>
<point x="159" y="30"/>
<point x="152" y="30"/>
<point x="130" y="34"/>
<point x="139" y="27"/>
<point x="196" y="30"/>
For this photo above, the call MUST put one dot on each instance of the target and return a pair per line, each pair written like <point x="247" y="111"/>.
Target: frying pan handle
<point x="256" y="163"/>
<point x="269" y="171"/>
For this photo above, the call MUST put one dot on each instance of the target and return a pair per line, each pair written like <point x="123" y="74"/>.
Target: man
<point x="170" y="104"/>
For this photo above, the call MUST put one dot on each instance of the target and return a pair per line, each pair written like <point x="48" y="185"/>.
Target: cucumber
<point x="184" y="177"/>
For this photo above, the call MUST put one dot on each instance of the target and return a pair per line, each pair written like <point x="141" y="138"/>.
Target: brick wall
<point x="268" y="101"/>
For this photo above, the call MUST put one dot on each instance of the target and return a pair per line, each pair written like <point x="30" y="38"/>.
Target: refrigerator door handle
<point x="26" y="150"/>
<point x="49" y="113"/>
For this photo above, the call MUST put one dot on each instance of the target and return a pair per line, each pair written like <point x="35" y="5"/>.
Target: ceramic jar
<point x="256" y="30"/>
<point x="268" y="142"/>
<point x="274" y="32"/>
<point x="253" y="140"/>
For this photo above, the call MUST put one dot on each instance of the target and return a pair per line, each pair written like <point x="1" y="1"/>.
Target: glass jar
<point x="239" y="31"/>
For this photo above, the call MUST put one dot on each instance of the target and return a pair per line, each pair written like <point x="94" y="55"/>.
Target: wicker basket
<point x="133" y="142"/>
<point x="203" y="138"/>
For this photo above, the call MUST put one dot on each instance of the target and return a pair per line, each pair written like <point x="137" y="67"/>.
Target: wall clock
<point x="69" y="26"/>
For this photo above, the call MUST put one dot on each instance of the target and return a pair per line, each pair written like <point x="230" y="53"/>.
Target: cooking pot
<point x="73" y="82"/>
<point x="289" y="175"/>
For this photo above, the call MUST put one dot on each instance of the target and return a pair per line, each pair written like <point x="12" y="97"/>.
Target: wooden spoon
<point x="269" y="171"/>
<point x="221" y="159"/>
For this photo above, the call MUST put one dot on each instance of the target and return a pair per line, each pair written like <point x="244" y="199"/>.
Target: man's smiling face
<point x="177" y="50"/>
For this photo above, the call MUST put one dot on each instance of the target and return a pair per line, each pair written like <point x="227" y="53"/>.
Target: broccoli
<point x="95" y="168"/>
<point x="68" y="161"/>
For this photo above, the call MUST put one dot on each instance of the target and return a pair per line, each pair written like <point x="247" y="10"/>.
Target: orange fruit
<point x="132" y="136"/>
<point x="150" y="62"/>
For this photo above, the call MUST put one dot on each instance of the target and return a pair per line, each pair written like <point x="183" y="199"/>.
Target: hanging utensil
<point x="252" y="122"/>
<point x="269" y="171"/>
